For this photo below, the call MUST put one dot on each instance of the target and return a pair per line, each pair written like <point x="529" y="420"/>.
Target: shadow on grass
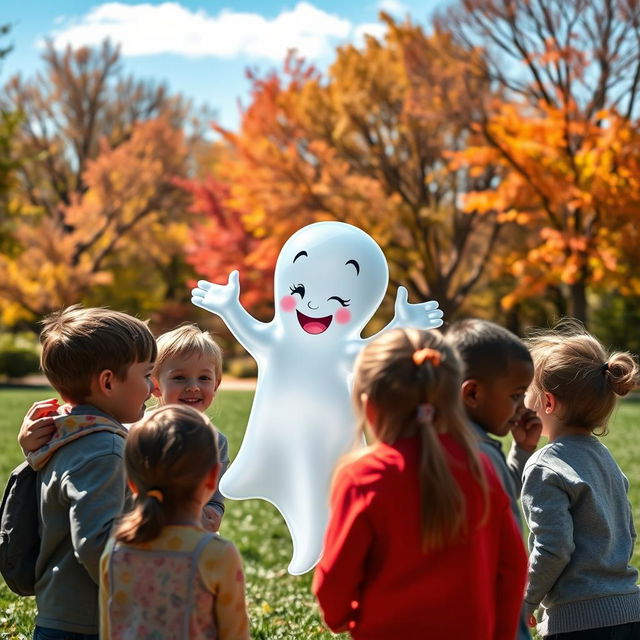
<point x="23" y="385"/>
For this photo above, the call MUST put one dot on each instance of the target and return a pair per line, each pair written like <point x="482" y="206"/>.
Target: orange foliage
<point x="221" y="244"/>
<point x="573" y="180"/>
<point x="365" y="145"/>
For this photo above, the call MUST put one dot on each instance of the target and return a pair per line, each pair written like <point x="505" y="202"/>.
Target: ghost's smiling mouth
<point x="314" y="325"/>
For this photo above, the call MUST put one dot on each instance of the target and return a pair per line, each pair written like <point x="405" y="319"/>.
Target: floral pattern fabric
<point x="184" y="584"/>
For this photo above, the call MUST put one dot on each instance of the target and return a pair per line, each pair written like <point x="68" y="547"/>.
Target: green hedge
<point x="19" y="354"/>
<point x="16" y="362"/>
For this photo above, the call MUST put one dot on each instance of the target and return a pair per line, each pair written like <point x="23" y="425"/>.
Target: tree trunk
<point x="578" y="300"/>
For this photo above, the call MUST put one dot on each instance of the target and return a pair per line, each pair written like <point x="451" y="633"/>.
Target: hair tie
<point x="426" y="412"/>
<point x="604" y="367"/>
<point x="155" y="493"/>
<point x="432" y="355"/>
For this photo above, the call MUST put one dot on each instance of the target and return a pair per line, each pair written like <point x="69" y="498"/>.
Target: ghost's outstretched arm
<point x="424" y="315"/>
<point x="224" y="301"/>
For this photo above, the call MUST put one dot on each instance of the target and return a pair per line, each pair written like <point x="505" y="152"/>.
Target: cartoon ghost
<point x="330" y="277"/>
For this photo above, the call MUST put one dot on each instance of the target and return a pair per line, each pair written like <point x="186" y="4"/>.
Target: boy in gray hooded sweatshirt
<point x="100" y="362"/>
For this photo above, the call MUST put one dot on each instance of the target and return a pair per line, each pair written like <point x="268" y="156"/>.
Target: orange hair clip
<point x="155" y="493"/>
<point x="432" y="355"/>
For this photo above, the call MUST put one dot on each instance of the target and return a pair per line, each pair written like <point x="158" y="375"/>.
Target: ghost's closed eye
<point x="342" y="301"/>
<point x="299" y="289"/>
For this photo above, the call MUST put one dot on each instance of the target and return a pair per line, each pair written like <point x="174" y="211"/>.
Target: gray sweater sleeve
<point x="632" y="529"/>
<point x="516" y="461"/>
<point x="95" y="492"/>
<point x="546" y="504"/>
<point x="217" y="499"/>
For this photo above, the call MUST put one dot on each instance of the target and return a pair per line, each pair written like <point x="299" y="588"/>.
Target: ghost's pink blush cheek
<point x="287" y="303"/>
<point x="343" y="316"/>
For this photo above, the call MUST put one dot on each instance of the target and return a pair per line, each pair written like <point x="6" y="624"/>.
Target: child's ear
<point x="369" y="409"/>
<point x="212" y="478"/>
<point x="105" y="381"/>
<point x="550" y="403"/>
<point x="470" y="393"/>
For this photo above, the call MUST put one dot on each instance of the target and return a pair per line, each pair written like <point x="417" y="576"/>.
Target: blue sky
<point x="200" y="49"/>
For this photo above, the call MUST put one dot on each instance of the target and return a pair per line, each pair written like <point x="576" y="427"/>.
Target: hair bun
<point x="622" y="373"/>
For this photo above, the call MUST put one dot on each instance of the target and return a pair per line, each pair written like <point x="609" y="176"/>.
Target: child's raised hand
<point x="527" y="430"/>
<point x="38" y="426"/>
<point x="211" y="518"/>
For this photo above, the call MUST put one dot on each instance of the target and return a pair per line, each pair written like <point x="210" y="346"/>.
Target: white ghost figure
<point x="330" y="277"/>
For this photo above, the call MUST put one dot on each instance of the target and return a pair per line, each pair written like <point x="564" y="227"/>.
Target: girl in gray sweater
<point x="574" y="495"/>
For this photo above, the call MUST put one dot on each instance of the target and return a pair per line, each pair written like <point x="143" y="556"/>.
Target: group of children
<point x="424" y="539"/>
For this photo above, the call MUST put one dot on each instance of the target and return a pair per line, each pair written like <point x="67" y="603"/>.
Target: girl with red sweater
<point x="421" y="542"/>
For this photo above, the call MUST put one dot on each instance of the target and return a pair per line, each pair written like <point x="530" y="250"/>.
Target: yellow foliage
<point x="131" y="213"/>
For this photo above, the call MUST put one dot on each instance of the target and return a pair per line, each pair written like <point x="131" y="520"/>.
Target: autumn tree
<point x="120" y="236"/>
<point x="219" y="243"/>
<point x="95" y="199"/>
<point x="570" y="71"/>
<point x="9" y="120"/>
<point x="363" y="145"/>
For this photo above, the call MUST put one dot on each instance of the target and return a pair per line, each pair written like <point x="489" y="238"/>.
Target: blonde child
<point x="188" y="371"/>
<point x="421" y="541"/>
<point x="162" y="575"/>
<point x="574" y="495"/>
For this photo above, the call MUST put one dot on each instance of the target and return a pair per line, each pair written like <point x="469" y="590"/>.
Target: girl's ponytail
<point x="621" y="372"/>
<point x="145" y="521"/>
<point x="572" y="364"/>
<point x="442" y="506"/>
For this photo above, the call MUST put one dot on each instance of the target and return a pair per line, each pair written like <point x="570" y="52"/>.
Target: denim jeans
<point x="44" y="633"/>
<point x="629" y="631"/>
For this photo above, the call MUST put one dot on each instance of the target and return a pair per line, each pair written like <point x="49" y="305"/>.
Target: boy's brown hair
<point x="185" y="341"/>
<point x="78" y="344"/>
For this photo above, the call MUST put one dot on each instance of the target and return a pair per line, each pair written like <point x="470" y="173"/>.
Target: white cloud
<point x="375" y="29"/>
<point x="393" y="7"/>
<point x="146" y="29"/>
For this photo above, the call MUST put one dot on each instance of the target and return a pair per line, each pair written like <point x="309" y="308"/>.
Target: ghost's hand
<point x="424" y="315"/>
<point x="215" y="297"/>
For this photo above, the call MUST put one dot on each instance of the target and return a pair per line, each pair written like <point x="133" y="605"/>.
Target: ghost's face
<point x="330" y="278"/>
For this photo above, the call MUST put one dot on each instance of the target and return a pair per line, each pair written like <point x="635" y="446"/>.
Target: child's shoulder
<point x="370" y="465"/>
<point x="569" y="448"/>
<point x="217" y="545"/>
<point x="569" y="460"/>
<point x="550" y="455"/>
<point x="185" y="539"/>
<point x="219" y="555"/>
<point x="78" y="439"/>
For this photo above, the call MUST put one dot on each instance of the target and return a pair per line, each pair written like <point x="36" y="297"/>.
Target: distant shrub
<point x="243" y="367"/>
<point x="19" y="354"/>
<point x="16" y="362"/>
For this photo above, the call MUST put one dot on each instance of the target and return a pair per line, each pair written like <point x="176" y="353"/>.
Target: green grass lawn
<point x="280" y="605"/>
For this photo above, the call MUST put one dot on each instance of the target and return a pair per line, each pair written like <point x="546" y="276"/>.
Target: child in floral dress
<point x="162" y="575"/>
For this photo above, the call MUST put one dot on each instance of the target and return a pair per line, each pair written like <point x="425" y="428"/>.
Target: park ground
<point x="280" y="605"/>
